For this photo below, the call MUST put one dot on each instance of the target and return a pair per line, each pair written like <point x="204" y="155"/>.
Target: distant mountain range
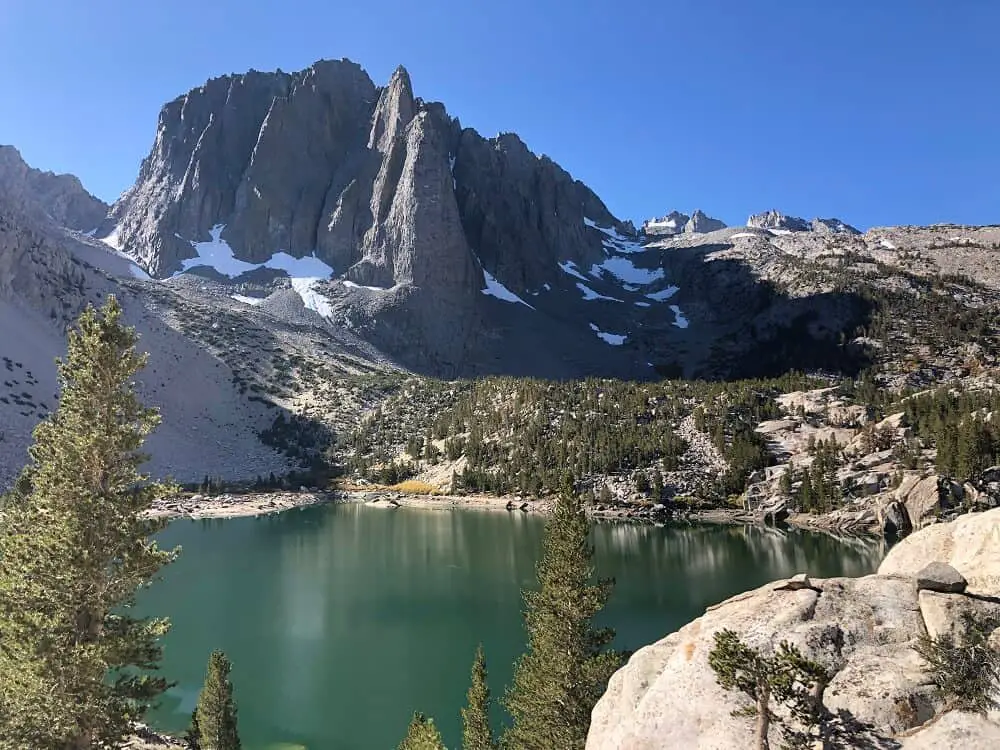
<point x="316" y="215"/>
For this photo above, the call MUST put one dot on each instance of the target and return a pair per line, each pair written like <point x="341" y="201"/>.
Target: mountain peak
<point x="59" y="196"/>
<point x="774" y="219"/>
<point x="701" y="223"/>
<point x="676" y="223"/>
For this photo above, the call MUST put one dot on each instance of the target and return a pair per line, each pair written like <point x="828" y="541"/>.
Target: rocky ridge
<point x="863" y="630"/>
<point x="59" y="198"/>
<point x="678" y="223"/>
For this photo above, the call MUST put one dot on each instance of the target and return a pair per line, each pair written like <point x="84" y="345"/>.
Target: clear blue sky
<point x="876" y="111"/>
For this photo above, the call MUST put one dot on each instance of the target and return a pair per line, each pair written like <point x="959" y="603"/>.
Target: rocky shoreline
<point x="232" y="505"/>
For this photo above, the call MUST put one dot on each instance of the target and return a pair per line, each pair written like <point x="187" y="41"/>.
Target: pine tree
<point x="75" y="546"/>
<point x="476" y="732"/>
<point x="786" y="678"/>
<point x="565" y="669"/>
<point x="422" y="735"/>
<point x="215" y="717"/>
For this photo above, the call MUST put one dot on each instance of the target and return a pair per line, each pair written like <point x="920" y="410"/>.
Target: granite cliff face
<point x="387" y="190"/>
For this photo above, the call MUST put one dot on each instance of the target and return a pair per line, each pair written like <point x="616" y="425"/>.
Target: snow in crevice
<point x="614" y="339"/>
<point x="352" y="285"/>
<point x="614" y="241"/>
<point x="664" y="294"/>
<point x="569" y="267"/>
<point x="642" y="304"/>
<point x="114" y="245"/>
<point x="304" y="273"/>
<point x="680" y="319"/>
<point x="494" y="288"/>
<point x="589" y="294"/>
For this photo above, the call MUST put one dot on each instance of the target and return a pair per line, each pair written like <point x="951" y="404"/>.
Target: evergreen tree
<point x="476" y="732"/>
<point x="422" y="735"/>
<point x="215" y="718"/>
<point x="786" y="678"/>
<point x="192" y="737"/>
<point x="565" y="669"/>
<point x="75" y="546"/>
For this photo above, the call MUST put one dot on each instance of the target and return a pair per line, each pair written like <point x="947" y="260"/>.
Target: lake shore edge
<point x="266" y="503"/>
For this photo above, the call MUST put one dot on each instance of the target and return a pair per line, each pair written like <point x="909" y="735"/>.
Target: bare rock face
<point x="59" y="197"/>
<point x="673" y="223"/>
<point x="862" y="629"/>
<point x="970" y="544"/>
<point x="385" y="188"/>
<point x="777" y="220"/>
<point x="699" y="223"/>
<point x="832" y="226"/>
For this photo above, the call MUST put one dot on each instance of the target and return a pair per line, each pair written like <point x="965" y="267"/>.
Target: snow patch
<point x="642" y="304"/>
<point x="312" y="299"/>
<point x="113" y="240"/>
<point x="614" y="241"/>
<point x="589" y="294"/>
<point x="780" y="232"/>
<point x="570" y="268"/>
<point x="664" y="294"/>
<point x="247" y="300"/>
<point x="742" y="234"/>
<point x="614" y="339"/>
<point x="352" y="285"/>
<point x="304" y="273"/>
<point x="625" y="270"/>
<point x="495" y="289"/>
<point x="886" y="244"/>
<point x="114" y="245"/>
<point x="680" y="319"/>
<point x="668" y="224"/>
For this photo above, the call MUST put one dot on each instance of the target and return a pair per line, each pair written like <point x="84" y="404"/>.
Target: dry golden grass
<point x="416" y="487"/>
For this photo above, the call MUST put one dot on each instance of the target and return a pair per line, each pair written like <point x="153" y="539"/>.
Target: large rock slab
<point x="667" y="695"/>
<point x="945" y="614"/>
<point x="960" y="731"/>
<point x="863" y="630"/>
<point x="970" y="544"/>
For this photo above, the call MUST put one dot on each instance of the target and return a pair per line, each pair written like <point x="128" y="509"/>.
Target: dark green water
<point x="343" y="620"/>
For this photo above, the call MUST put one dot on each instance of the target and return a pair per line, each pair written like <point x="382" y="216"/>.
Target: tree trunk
<point x="763" y="717"/>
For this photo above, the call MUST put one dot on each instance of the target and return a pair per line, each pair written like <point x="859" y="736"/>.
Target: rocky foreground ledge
<point x="862" y="629"/>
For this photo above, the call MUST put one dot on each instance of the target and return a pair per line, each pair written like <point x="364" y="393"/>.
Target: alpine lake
<point x="342" y="620"/>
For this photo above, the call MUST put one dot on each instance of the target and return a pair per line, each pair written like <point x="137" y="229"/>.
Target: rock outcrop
<point x="386" y="189"/>
<point x="832" y="226"/>
<point x="677" y="223"/>
<point x="776" y="220"/>
<point x="862" y="629"/>
<point x="671" y="224"/>
<point x="59" y="197"/>
<point x="699" y="223"/>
